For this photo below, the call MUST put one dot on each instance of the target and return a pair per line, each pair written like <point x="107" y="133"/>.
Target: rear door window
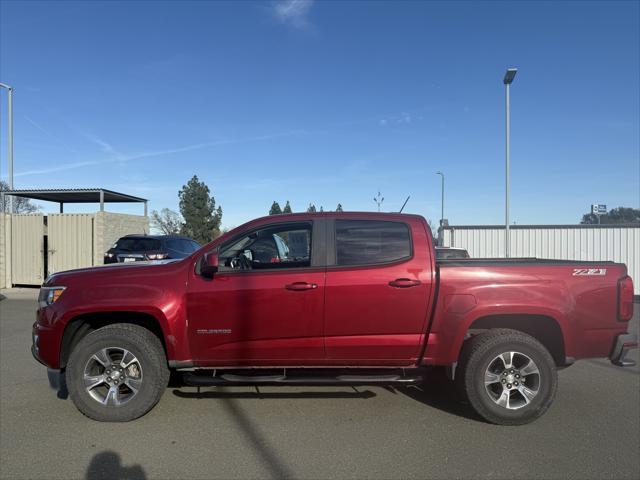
<point x="370" y="242"/>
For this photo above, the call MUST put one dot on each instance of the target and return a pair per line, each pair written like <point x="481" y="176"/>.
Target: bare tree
<point x="20" y="205"/>
<point x="167" y="221"/>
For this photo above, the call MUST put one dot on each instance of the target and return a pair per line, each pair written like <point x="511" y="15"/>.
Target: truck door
<point x="265" y="305"/>
<point x="378" y="289"/>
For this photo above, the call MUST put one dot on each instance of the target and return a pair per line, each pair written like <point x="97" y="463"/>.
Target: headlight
<point x="109" y="255"/>
<point x="49" y="295"/>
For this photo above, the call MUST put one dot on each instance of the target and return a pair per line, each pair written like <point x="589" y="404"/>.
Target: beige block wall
<point x="109" y="227"/>
<point x="5" y="251"/>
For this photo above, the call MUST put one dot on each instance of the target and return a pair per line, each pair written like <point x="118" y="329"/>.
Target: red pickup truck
<point x="330" y="299"/>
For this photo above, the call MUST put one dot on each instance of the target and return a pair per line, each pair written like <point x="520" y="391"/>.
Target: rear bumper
<point x="622" y="345"/>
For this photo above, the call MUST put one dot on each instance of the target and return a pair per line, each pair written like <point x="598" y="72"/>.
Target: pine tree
<point x="287" y="208"/>
<point x="275" y="209"/>
<point x="201" y="217"/>
<point x="339" y="208"/>
<point x="311" y="208"/>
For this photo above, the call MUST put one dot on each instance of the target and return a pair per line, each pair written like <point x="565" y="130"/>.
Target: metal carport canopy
<point x="78" y="195"/>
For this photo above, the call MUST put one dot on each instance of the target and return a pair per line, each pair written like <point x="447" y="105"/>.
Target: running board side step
<point x="242" y="380"/>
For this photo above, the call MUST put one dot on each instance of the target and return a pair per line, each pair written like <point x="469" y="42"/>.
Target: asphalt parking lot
<point x="591" y="431"/>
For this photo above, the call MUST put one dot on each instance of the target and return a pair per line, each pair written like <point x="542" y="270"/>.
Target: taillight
<point x="625" y="299"/>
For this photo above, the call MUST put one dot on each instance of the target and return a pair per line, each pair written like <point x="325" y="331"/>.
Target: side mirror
<point x="209" y="265"/>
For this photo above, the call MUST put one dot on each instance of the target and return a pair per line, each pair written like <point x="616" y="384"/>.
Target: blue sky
<point x="328" y="102"/>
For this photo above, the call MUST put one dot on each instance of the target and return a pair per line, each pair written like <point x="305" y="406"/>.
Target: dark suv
<point x="134" y="248"/>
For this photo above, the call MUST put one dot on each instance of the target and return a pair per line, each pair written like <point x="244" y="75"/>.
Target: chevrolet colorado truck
<point x="330" y="299"/>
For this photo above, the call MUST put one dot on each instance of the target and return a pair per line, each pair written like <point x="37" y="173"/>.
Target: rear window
<point x="366" y="242"/>
<point x="137" y="244"/>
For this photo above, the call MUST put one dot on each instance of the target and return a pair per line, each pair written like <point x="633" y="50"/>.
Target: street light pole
<point x="442" y="200"/>
<point x="10" y="140"/>
<point x="508" y="79"/>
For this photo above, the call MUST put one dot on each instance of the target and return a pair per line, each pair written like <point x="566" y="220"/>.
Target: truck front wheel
<point x="508" y="376"/>
<point x="117" y="373"/>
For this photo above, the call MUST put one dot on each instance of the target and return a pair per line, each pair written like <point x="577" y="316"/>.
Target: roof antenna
<point x="405" y="202"/>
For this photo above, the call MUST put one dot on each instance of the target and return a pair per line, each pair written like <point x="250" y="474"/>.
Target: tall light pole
<point x="508" y="79"/>
<point x="442" y="201"/>
<point x="10" y="140"/>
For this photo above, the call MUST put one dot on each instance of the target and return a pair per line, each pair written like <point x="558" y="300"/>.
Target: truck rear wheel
<point x="117" y="373"/>
<point x="508" y="376"/>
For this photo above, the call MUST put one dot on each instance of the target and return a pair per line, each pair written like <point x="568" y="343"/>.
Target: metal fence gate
<point x="27" y="240"/>
<point x="69" y="241"/>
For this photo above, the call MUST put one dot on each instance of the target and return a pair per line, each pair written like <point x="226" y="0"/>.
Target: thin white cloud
<point x="47" y="132"/>
<point x="293" y="12"/>
<point x="106" y="147"/>
<point x="58" y="168"/>
<point x="117" y="157"/>
<point x="398" y="119"/>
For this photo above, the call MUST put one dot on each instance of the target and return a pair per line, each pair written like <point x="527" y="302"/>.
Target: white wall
<point x="109" y="227"/>
<point x="563" y="242"/>
<point x="5" y="251"/>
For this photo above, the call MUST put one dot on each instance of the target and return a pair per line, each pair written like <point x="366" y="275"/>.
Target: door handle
<point x="300" y="286"/>
<point x="404" y="283"/>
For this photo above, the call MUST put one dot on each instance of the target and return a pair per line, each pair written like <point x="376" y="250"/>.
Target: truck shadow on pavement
<point x="108" y="466"/>
<point x="437" y="392"/>
<point x="444" y="399"/>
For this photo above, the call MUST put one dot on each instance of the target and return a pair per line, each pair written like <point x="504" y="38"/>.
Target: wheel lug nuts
<point x="516" y="384"/>
<point x="508" y="385"/>
<point x="504" y="381"/>
<point x="116" y="382"/>
<point x="108" y="379"/>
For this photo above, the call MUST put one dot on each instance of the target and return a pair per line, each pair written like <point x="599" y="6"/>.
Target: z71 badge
<point x="578" y="272"/>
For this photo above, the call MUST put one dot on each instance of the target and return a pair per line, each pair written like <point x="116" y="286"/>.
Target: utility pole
<point x="9" y="140"/>
<point x="442" y="200"/>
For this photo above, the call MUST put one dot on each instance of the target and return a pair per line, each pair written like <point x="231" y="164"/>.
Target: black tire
<point x="480" y="355"/>
<point x="150" y="358"/>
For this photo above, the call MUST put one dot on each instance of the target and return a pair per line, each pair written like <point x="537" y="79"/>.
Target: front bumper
<point x="46" y="339"/>
<point x="55" y="376"/>
<point x="622" y="345"/>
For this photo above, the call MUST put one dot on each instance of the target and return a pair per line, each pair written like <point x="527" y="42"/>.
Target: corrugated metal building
<point x="620" y="243"/>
